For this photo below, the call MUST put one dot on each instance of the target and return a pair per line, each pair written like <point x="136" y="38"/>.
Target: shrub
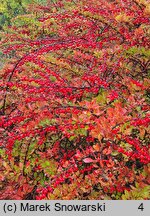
<point x="74" y="101"/>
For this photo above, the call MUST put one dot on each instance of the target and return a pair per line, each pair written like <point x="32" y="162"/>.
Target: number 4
<point x="141" y="207"/>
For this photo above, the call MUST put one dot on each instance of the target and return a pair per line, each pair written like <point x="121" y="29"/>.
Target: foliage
<point x="74" y="101"/>
<point x="12" y="8"/>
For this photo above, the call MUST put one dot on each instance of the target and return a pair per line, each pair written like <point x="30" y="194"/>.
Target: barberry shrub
<point x="74" y="101"/>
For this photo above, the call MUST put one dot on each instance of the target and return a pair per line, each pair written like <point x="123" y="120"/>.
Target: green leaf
<point x="46" y="164"/>
<point x="114" y="153"/>
<point x="45" y="122"/>
<point x="72" y="138"/>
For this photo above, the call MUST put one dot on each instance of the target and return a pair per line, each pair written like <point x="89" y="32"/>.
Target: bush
<point x="74" y="102"/>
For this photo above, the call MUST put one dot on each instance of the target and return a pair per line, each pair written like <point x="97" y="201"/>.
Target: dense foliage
<point x="74" y="109"/>
<point x="12" y="8"/>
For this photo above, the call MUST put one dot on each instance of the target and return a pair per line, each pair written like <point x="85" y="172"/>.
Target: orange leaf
<point x="96" y="147"/>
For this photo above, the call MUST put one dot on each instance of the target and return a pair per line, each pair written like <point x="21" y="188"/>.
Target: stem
<point x="26" y="155"/>
<point x="7" y="87"/>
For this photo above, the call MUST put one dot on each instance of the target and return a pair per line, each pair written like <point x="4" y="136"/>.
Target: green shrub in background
<point x="12" y="8"/>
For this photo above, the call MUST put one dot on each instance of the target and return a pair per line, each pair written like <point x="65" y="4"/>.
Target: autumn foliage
<point x="74" y="101"/>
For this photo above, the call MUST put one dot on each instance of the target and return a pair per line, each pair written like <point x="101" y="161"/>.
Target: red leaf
<point x="88" y="160"/>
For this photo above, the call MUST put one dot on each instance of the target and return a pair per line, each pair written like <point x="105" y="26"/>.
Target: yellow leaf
<point x="99" y="137"/>
<point x="147" y="10"/>
<point x="123" y="18"/>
